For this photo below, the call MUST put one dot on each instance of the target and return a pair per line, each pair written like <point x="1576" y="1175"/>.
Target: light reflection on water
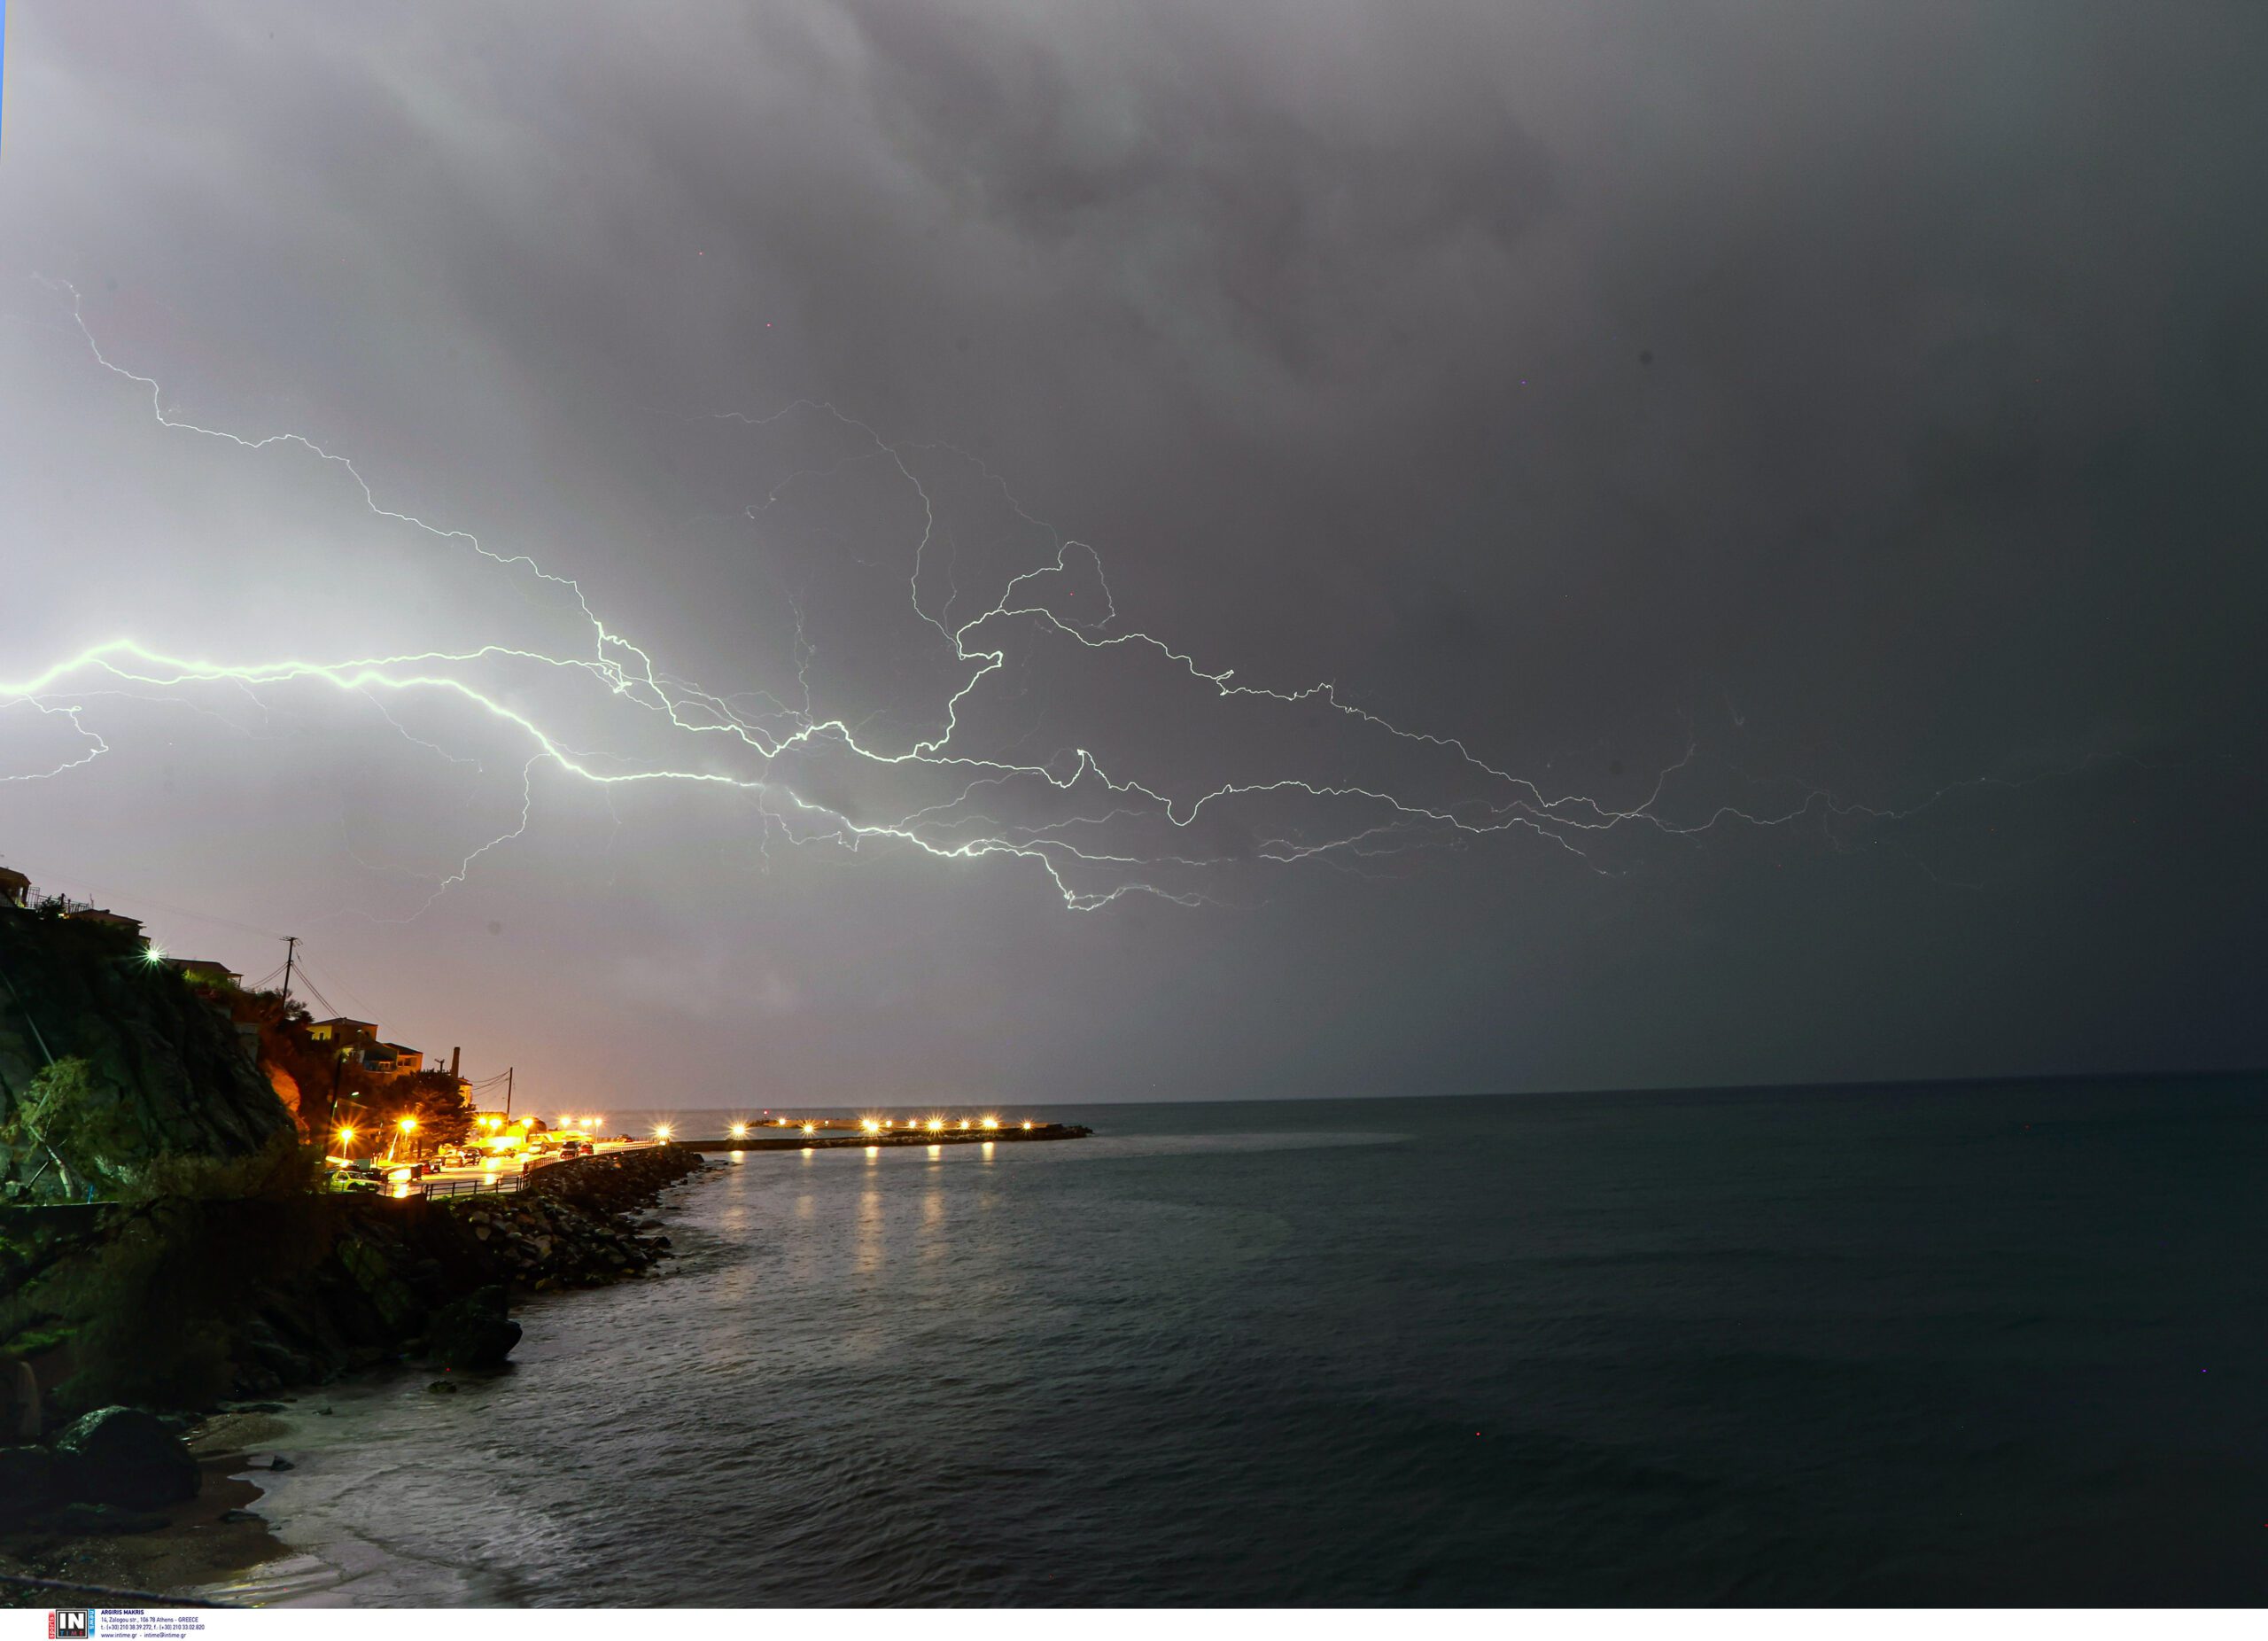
<point x="1624" y="1350"/>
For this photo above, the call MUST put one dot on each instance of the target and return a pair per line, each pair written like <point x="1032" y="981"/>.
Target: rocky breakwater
<point x="434" y="1279"/>
<point x="183" y="1304"/>
<point x="567" y="1227"/>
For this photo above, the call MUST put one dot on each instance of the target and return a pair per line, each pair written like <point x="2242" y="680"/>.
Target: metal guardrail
<point x="503" y="1185"/>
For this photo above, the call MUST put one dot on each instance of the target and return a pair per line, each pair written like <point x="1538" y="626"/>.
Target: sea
<point x="1952" y="1344"/>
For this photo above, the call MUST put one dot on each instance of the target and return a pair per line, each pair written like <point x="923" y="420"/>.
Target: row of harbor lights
<point x="878" y="1124"/>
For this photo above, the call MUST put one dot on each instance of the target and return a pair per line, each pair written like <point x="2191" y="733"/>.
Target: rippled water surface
<point x="1964" y="1345"/>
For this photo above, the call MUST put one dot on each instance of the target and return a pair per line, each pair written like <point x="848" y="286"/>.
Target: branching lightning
<point x="1115" y="841"/>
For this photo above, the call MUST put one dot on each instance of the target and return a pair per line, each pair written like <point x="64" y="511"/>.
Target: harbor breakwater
<point x="837" y="1135"/>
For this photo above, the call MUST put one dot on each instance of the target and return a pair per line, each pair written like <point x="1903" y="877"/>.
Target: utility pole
<point x="337" y="1070"/>
<point x="290" y="951"/>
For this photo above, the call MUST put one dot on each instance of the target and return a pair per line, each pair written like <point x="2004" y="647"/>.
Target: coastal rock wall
<point x="179" y="1304"/>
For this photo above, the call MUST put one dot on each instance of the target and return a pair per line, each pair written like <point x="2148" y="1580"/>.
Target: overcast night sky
<point x="1806" y="457"/>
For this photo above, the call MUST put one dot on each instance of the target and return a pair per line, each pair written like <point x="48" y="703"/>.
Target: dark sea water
<point x="1957" y="1345"/>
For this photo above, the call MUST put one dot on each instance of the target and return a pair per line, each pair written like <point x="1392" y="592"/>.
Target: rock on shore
<point x="181" y="1306"/>
<point x="124" y="1456"/>
<point x="438" y="1274"/>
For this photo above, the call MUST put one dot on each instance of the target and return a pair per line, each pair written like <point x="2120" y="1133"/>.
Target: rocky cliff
<point x="152" y="1071"/>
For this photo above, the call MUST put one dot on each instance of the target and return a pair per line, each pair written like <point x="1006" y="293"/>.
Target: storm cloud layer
<point x="1794" y="466"/>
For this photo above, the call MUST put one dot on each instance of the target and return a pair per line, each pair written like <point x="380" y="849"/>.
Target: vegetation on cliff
<point x="111" y="1064"/>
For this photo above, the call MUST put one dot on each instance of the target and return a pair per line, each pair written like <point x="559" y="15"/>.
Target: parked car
<point x="357" y="1176"/>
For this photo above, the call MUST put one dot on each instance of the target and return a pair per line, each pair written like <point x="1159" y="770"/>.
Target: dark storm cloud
<point x="1225" y="217"/>
<point x="1865" y="394"/>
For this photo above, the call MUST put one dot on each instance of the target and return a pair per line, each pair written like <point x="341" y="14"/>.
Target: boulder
<point x="124" y="1456"/>
<point x="474" y="1332"/>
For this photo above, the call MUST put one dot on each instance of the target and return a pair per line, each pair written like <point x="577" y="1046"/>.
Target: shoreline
<point x="204" y="1540"/>
<point x="212" y="1543"/>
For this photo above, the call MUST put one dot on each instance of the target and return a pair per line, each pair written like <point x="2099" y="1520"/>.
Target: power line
<point x="307" y="981"/>
<point x="344" y="990"/>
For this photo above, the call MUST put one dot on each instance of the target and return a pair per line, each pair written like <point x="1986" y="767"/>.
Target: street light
<point x="740" y="1131"/>
<point x="345" y="1139"/>
<point x="661" y="1131"/>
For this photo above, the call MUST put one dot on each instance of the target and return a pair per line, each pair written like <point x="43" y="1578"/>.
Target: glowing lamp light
<point x="964" y="1122"/>
<point x="661" y="1131"/>
<point x="934" y="1124"/>
<point x="346" y="1136"/>
<point x="408" y="1125"/>
<point x="740" y="1131"/>
<point x="992" y="1121"/>
<point x="811" y="1128"/>
<point x="1027" y="1124"/>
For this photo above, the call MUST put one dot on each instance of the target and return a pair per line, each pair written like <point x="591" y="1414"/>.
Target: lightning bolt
<point x="771" y="745"/>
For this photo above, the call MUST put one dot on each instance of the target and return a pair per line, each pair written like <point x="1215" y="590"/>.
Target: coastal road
<point x="514" y="1167"/>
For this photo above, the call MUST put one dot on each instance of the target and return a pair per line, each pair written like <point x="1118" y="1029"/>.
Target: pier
<point x="841" y="1133"/>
